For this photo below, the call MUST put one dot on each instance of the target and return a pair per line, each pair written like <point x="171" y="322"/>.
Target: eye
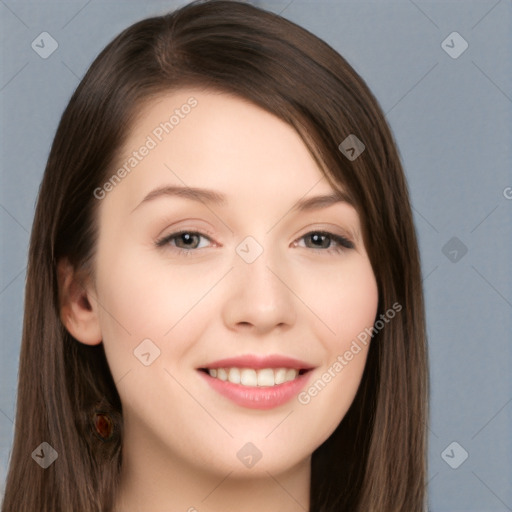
<point x="323" y="240"/>
<point x="183" y="241"/>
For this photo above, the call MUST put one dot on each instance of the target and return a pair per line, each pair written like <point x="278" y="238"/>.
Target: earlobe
<point x="78" y="311"/>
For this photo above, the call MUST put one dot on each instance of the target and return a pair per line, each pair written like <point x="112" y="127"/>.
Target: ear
<point x="78" y="311"/>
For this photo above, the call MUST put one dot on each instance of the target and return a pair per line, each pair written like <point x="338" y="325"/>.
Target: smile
<point x="251" y="377"/>
<point x="257" y="381"/>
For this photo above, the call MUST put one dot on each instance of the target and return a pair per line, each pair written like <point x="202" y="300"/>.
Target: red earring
<point x="103" y="425"/>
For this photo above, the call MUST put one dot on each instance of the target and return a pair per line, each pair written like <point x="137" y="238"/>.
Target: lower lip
<point x="265" y="397"/>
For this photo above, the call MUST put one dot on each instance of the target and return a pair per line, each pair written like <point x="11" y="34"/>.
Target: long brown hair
<point x="375" y="461"/>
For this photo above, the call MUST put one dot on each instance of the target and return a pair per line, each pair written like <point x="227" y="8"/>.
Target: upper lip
<point x="259" y="362"/>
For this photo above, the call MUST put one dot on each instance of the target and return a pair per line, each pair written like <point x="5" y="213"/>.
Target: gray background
<point x="452" y="121"/>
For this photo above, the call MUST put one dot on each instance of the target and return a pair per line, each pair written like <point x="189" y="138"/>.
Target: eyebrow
<point x="208" y="196"/>
<point x="196" y="194"/>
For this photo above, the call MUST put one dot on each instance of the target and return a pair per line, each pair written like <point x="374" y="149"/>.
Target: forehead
<point x="204" y="125"/>
<point x="217" y="140"/>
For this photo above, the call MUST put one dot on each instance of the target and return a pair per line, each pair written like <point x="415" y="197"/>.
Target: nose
<point x="259" y="296"/>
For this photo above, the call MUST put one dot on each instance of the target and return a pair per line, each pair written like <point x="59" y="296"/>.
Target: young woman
<point x="223" y="304"/>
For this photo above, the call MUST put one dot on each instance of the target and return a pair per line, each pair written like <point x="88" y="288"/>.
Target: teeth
<point x="280" y="376"/>
<point x="234" y="375"/>
<point x="266" y="377"/>
<point x="249" y="377"/>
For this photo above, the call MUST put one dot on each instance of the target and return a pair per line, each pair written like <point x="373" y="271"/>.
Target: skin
<point x="181" y="437"/>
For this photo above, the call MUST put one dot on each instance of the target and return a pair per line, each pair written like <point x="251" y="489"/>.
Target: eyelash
<point x="342" y="242"/>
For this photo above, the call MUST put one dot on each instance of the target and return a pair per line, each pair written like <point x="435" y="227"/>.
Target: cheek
<point x="325" y="401"/>
<point x="142" y="291"/>
<point x="148" y="311"/>
<point x="345" y="300"/>
<point x="141" y="300"/>
<point x="358" y="302"/>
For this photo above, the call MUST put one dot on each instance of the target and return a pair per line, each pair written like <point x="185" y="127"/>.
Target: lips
<point x="257" y="382"/>
<point x="251" y="370"/>
<point x="259" y="362"/>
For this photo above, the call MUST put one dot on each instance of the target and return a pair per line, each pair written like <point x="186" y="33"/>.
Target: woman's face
<point x="252" y="289"/>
